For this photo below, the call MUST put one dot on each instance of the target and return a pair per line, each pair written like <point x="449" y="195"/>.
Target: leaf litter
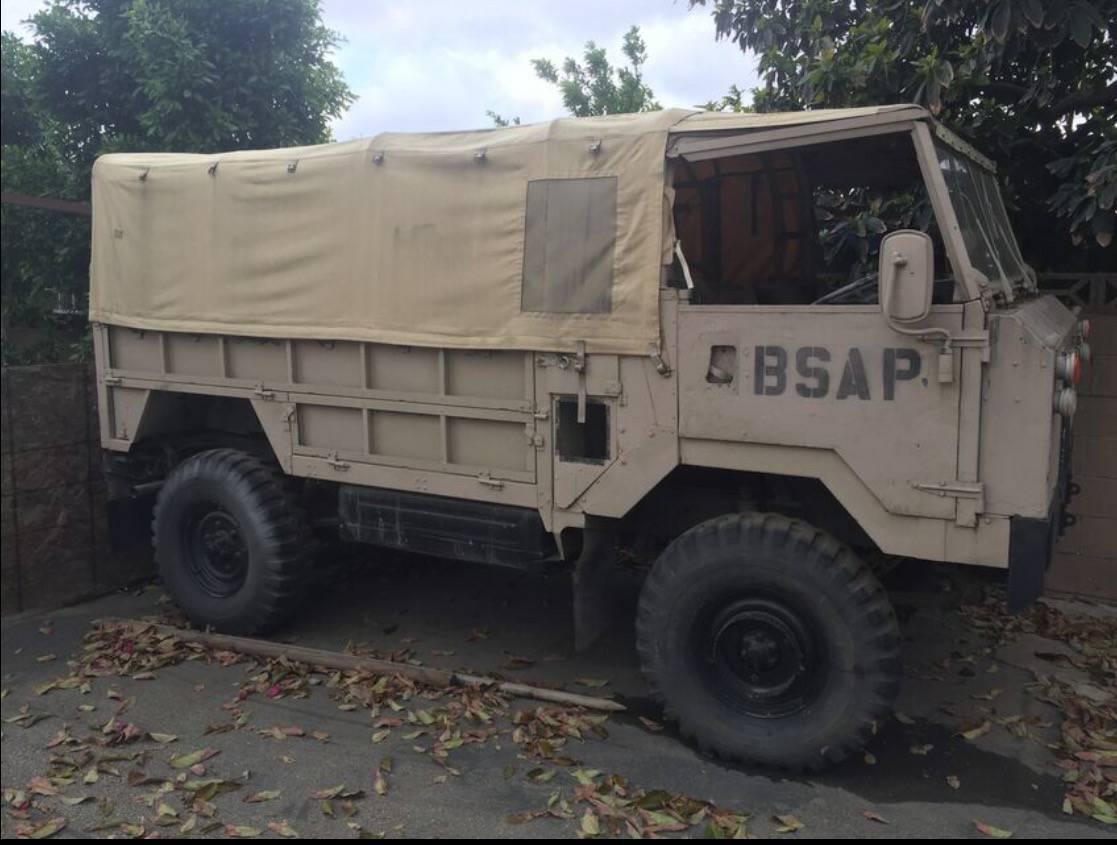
<point x="438" y="721"/>
<point x="1086" y="744"/>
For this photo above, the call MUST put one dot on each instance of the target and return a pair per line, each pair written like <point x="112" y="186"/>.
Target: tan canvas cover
<point x="405" y="238"/>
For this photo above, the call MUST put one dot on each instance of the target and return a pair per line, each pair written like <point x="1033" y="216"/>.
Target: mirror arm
<point x="928" y="335"/>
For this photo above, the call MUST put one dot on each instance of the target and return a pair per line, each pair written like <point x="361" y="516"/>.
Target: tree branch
<point x="1085" y="100"/>
<point x="1004" y="91"/>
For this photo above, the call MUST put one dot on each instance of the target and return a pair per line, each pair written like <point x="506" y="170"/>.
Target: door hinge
<point x="263" y="392"/>
<point x="487" y="479"/>
<point x="112" y="381"/>
<point x="337" y="463"/>
<point x="970" y="496"/>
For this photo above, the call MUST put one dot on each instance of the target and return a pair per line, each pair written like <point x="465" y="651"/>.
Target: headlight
<point x="1068" y="367"/>
<point x="1066" y="402"/>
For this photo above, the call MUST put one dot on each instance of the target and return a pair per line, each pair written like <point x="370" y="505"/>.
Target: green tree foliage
<point x="143" y="75"/>
<point x="1032" y="83"/>
<point x="735" y="101"/>
<point x="595" y="86"/>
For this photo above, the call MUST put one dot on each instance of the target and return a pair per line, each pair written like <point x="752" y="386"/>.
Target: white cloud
<point x="441" y="64"/>
<point x="14" y="12"/>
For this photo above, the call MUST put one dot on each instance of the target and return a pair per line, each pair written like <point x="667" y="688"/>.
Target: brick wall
<point x="52" y="502"/>
<point x="1086" y="556"/>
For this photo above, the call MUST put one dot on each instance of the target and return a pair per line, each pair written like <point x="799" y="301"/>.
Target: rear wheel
<point x="768" y="641"/>
<point x="232" y="542"/>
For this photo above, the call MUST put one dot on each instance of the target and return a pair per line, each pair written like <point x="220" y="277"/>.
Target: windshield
<point x="977" y="203"/>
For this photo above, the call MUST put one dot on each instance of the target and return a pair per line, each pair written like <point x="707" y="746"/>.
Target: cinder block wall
<point x="1086" y="556"/>
<point x="52" y="503"/>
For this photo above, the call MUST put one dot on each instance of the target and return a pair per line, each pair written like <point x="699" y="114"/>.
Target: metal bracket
<point x="337" y="463"/>
<point x="262" y="392"/>
<point x="580" y="369"/>
<point x="112" y="381"/>
<point x="487" y="479"/>
<point x="970" y="496"/>
<point x="580" y="356"/>
<point x="533" y="438"/>
<point x="661" y="365"/>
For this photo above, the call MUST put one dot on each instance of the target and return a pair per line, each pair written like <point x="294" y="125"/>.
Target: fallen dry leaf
<point x="592" y="683"/>
<point x="42" y="830"/>
<point x="241" y="831"/>
<point x="976" y="731"/>
<point x="186" y="761"/>
<point x="284" y="829"/>
<point x="991" y="831"/>
<point x="262" y="796"/>
<point x="787" y="823"/>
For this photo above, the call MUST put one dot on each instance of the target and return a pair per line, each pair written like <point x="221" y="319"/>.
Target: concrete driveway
<point x="299" y="737"/>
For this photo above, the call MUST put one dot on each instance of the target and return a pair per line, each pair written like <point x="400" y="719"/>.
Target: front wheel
<point x="766" y="640"/>
<point x="232" y="542"/>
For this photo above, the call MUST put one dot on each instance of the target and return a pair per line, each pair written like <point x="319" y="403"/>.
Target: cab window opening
<point x="800" y="226"/>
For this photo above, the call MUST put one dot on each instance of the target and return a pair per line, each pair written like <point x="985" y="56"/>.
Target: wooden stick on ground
<point x="339" y="660"/>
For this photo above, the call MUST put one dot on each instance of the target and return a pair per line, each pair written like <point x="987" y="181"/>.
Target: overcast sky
<point x="440" y="64"/>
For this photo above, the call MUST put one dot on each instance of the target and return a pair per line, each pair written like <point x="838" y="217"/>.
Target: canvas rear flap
<point x="525" y="237"/>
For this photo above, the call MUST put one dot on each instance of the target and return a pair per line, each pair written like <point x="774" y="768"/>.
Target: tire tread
<point x="289" y="541"/>
<point x="824" y="559"/>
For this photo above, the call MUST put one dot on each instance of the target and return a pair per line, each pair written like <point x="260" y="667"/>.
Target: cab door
<point x="827" y="378"/>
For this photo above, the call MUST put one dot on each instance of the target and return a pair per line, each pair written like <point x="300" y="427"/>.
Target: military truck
<point x="530" y="346"/>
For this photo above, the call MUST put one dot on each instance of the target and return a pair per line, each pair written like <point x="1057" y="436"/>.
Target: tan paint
<point x="930" y="464"/>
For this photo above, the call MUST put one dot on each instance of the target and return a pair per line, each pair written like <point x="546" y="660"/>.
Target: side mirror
<point x="906" y="276"/>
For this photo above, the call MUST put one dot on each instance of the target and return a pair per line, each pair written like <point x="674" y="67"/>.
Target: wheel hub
<point x="219" y="554"/>
<point x="760" y="652"/>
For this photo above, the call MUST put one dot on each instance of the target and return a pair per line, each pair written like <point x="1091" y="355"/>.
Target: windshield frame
<point x="979" y="238"/>
<point x="990" y="242"/>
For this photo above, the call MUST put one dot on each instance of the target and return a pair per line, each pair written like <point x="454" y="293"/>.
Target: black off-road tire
<point x="718" y="598"/>
<point x="232" y="542"/>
